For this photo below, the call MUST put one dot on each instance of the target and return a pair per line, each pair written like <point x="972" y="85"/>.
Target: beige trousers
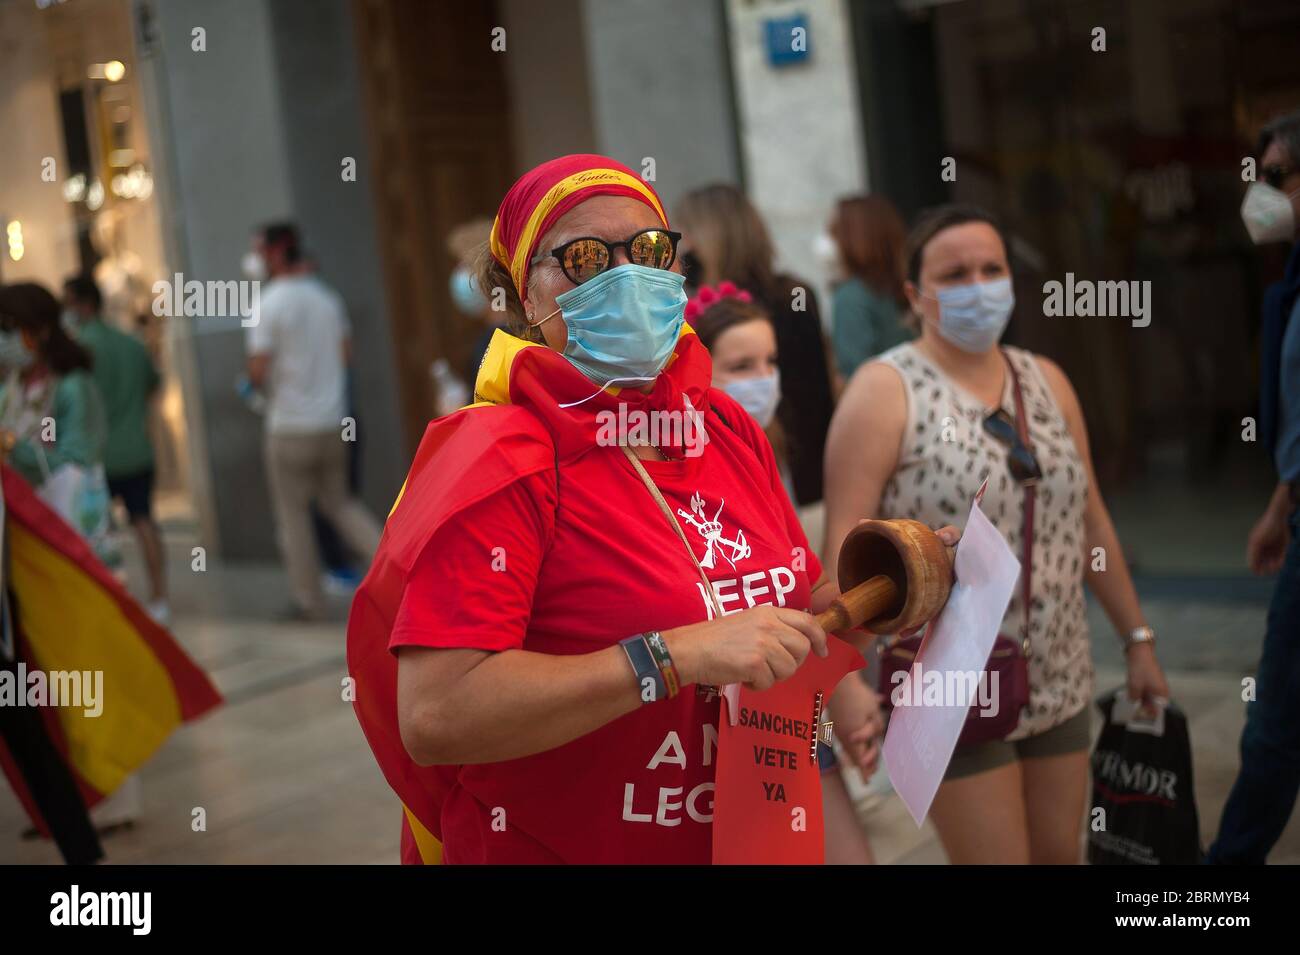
<point x="303" y="468"/>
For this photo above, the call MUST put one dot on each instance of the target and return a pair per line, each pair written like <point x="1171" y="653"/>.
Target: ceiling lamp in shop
<point x="113" y="71"/>
<point x="14" y="231"/>
<point x="74" y="188"/>
<point x="135" y="183"/>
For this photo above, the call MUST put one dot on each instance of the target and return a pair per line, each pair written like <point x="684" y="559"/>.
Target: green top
<point x="79" y="429"/>
<point x="126" y="378"/>
<point x="864" y="323"/>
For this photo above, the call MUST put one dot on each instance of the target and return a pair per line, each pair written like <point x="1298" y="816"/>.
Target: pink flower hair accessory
<point x="707" y="296"/>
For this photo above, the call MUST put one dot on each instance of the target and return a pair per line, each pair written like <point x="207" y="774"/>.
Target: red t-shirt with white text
<point x="572" y="562"/>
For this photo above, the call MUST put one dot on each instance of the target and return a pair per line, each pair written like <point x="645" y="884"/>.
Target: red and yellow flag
<point x="70" y="614"/>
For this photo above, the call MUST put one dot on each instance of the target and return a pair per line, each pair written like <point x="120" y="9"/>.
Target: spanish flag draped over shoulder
<point x="534" y="412"/>
<point x="70" y="614"/>
<point x="463" y="458"/>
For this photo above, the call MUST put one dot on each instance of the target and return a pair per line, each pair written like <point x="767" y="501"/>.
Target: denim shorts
<point x="1072" y="736"/>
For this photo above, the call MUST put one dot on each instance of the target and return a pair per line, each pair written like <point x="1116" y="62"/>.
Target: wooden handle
<point x="867" y="600"/>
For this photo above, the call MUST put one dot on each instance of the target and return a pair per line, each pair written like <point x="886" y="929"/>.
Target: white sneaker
<point x="160" y="612"/>
<point x="123" y="806"/>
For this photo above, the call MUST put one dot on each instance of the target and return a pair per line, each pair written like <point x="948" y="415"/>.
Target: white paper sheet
<point x="921" y="738"/>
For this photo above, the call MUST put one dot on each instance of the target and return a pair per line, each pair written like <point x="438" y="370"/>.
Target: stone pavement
<point x="284" y="774"/>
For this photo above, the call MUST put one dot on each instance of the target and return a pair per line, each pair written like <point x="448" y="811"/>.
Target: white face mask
<point x="1268" y="214"/>
<point x="253" y="266"/>
<point x="758" y="396"/>
<point x="826" y="251"/>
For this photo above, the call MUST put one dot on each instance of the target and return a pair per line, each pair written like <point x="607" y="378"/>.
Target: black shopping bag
<point x="1143" y="807"/>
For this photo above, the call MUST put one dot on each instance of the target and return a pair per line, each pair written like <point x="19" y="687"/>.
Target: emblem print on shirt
<point x="711" y="531"/>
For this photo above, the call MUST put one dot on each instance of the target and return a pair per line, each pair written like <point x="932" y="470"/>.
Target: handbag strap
<point x="1022" y="429"/>
<point x="668" y="515"/>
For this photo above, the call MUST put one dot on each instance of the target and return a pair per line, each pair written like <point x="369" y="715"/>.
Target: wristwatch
<point x="1138" y="635"/>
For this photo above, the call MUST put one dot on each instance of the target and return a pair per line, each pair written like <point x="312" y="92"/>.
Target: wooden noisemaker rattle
<point x="894" y="575"/>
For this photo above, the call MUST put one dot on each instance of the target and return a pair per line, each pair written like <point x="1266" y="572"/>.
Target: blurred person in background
<point x="52" y="422"/>
<point x="463" y="243"/>
<point x="1264" y="795"/>
<point x="915" y="434"/>
<point x="50" y="408"/>
<point x="728" y="241"/>
<point x="298" y="353"/>
<point x="868" y="303"/>
<point x="341" y="575"/>
<point x="127" y="382"/>
<point x="14" y="356"/>
<point x="742" y="342"/>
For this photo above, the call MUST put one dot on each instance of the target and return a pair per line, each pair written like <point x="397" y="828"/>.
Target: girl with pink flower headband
<point x="742" y="341"/>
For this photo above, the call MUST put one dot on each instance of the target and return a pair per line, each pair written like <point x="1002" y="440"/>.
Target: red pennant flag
<point x="767" y="809"/>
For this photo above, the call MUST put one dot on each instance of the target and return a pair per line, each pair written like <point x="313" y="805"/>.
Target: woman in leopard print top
<point x="924" y="405"/>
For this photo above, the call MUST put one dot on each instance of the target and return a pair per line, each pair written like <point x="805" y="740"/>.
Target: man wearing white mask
<point x="298" y="351"/>
<point x="1264" y="794"/>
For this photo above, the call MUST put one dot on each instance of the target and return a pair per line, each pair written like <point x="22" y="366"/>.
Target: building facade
<point x="1113" y="163"/>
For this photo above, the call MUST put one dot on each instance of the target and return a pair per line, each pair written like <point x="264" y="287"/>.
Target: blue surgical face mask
<point x="974" y="316"/>
<point x="758" y="396"/>
<point x="465" y="294"/>
<point x="624" y="323"/>
<point x="13" y="353"/>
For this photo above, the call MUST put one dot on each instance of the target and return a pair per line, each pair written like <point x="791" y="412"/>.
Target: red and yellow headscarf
<point x="545" y="193"/>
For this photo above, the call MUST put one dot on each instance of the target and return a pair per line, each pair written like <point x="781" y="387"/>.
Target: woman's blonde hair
<point x="494" y="281"/>
<point x="728" y="236"/>
<point x="464" y="241"/>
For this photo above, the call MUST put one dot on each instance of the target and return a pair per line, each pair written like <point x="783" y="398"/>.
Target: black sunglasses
<point x="1276" y="174"/>
<point x="1024" y="466"/>
<point x="584" y="258"/>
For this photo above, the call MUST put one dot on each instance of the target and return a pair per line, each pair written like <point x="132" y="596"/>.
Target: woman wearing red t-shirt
<point x="542" y="580"/>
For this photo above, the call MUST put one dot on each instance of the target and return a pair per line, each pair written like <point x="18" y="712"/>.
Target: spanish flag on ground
<point x="69" y="614"/>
